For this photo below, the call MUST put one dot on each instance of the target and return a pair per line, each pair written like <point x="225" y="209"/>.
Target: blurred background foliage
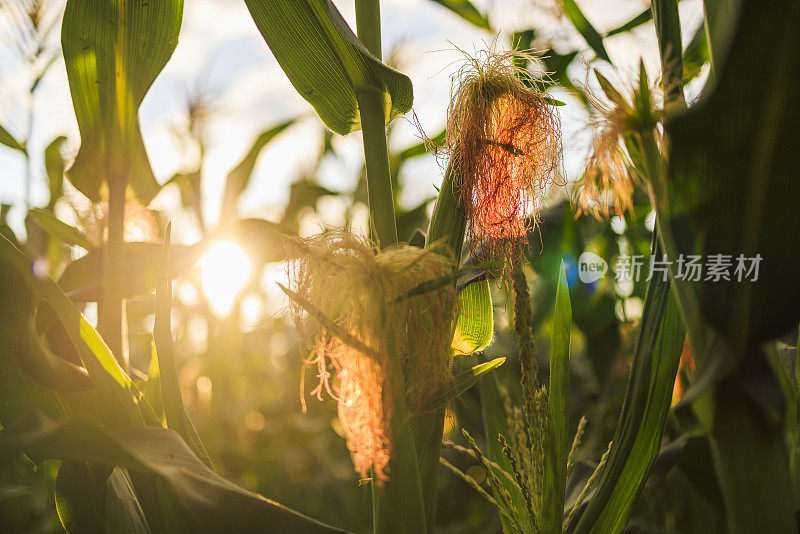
<point x="239" y="358"/>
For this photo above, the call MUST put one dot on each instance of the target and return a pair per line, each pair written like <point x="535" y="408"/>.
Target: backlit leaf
<point x="113" y="51"/>
<point x="326" y="62"/>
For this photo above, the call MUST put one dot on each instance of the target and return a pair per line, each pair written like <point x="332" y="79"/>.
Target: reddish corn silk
<point x="504" y="136"/>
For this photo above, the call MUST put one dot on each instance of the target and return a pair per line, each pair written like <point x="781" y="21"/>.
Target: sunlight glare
<point x="224" y="269"/>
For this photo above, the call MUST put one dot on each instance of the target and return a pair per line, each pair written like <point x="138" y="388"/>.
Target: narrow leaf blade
<point x="60" y="230"/>
<point x="585" y="28"/>
<point x="555" y="474"/>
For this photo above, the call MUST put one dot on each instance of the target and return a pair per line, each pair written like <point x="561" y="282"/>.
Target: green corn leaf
<point x="749" y="449"/>
<point x="124" y="513"/>
<point x="495" y="423"/>
<point x="113" y="385"/>
<point x="475" y="324"/>
<point x="637" y="439"/>
<point x="461" y="383"/>
<point x="113" y="52"/>
<point x="19" y="391"/>
<point x="326" y="62"/>
<point x="10" y="141"/>
<point x="87" y="501"/>
<point x="54" y="165"/>
<point x="43" y="366"/>
<point x="302" y="194"/>
<point x="188" y="184"/>
<point x="183" y="494"/>
<point x="695" y="55"/>
<point x="177" y="418"/>
<point x="77" y="497"/>
<point x="668" y="31"/>
<point x="555" y="472"/>
<point x="423" y="147"/>
<point x="60" y="230"/>
<point x="239" y="177"/>
<point x="642" y="18"/>
<point x="719" y="22"/>
<point x="748" y="212"/>
<point x="467" y="11"/>
<point x="585" y="28"/>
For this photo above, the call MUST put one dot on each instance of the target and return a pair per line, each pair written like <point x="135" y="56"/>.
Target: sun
<point x="224" y="270"/>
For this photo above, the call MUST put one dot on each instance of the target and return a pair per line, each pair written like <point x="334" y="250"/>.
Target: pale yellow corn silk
<point x="609" y="179"/>
<point x="360" y="291"/>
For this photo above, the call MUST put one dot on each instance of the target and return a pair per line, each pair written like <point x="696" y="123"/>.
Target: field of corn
<point x="585" y="320"/>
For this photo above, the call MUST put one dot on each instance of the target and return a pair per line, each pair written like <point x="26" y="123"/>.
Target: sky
<point x="221" y="50"/>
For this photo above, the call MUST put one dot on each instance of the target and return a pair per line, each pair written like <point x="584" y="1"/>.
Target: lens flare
<point x="224" y="270"/>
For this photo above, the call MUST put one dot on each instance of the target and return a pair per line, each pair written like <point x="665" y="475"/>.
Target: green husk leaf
<point x="475" y="324"/>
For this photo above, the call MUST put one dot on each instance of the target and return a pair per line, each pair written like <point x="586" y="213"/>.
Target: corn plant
<point x="386" y="321"/>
